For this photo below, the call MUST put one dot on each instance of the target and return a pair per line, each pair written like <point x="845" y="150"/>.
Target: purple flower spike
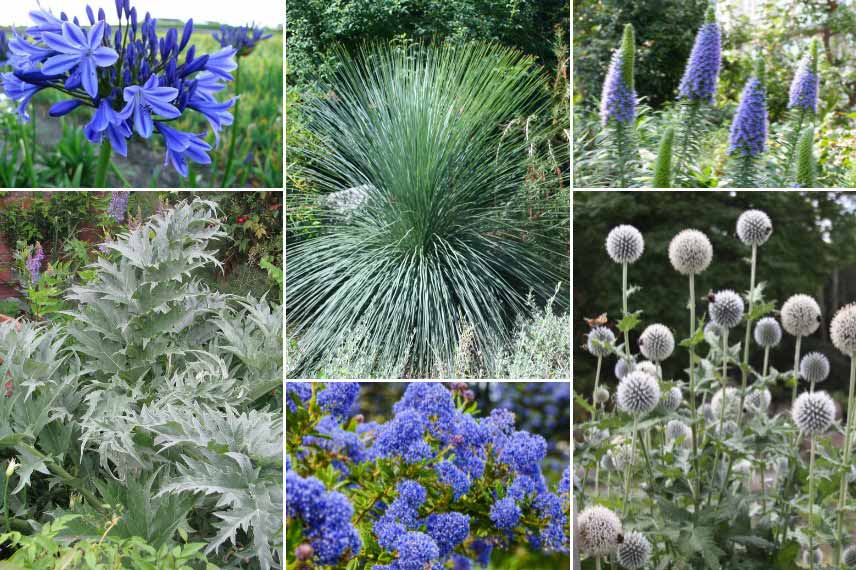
<point x="81" y="49"/>
<point x="749" y="129"/>
<point x="702" y="71"/>
<point x="148" y="99"/>
<point x="118" y="205"/>
<point x="805" y="86"/>
<point x="34" y="263"/>
<point x="618" y="101"/>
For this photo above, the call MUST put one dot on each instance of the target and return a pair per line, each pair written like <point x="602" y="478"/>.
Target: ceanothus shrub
<point x="436" y="486"/>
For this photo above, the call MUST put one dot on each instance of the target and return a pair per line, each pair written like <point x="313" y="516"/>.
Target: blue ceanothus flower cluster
<point x="131" y="80"/>
<point x="749" y="128"/>
<point x="427" y="429"/>
<point x="702" y="72"/>
<point x="242" y="38"/>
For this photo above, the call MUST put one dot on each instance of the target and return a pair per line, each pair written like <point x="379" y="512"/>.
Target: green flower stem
<point x="744" y="366"/>
<point x="629" y="470"/>
<point x="845" y="464"/>
<point x="596" y="383"/>
<point x="763" y="488"/>
<point x="796" y="370"/>
<point x="766" y="361"/>
<point x="811" y="503"/>
<point x="693" y="407"/>
<point x="624" y="310"/>
<point x="103" y="163"/>
<point x="723" y="405"/>
<point x="6" y="505"/>
<point x="231" y="155"/>
<point x="72" y="481"/>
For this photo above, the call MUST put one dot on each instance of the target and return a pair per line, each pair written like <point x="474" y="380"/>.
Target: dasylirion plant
<point x="147" y="426"/>
<point x="435" y="486"/>
<point x="619" y="160"/>
<point x="127" y="77"/>
<point x="704" y="469"/>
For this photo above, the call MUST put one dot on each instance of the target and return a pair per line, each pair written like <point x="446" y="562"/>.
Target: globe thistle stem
<point x="724" y="382"/>
<point x="845" y="464"/>
<point x="811" y="500"/>
<point x="796" y="369"/>
<point x="596" y="385"/>
<point x="693" y="407"/>
<point x="624" y="309"/>
<point x="766" y="361"/>
<point x="744" y="366"/>
<point x="627" y="473"/>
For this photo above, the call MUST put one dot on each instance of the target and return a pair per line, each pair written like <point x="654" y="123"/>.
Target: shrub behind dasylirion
<point x="435" y="245"/>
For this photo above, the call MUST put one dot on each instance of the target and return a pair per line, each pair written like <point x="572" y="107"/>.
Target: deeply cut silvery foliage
<point x="434" y="246"/>
<point x="129" y="78"/>
<point x="437" y="485"/>
<point x="751" y="466"/>
<point x="156" y="379"/>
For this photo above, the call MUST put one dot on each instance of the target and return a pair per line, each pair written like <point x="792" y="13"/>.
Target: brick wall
<point x="6" y="262"/>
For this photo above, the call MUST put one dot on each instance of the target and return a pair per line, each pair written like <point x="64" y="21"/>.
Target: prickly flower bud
<point x="624" y="244"/>
<point x="814" y="367"/>
<point x="813" y="412"/>
<point x="768" y="333"/>
<point x="638" y="393"/>
<point x="657" y="342"/>
<point x="600" y="341"/>
<point x="726" y="309"/>
<point x="600" y="531"/>
<point x="11" y="467"/>
<point x="690" y="252"/>
<point x="843" y="329"/>
<point x="800" y="315"/>
<point x="634" y="551"/>
<point x="754" y="227"/>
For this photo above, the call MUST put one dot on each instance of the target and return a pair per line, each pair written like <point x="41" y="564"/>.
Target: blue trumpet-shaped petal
<point x="78" y="48"/>
<point x="147" y="100"/>
<point x="222" y="63"/>
<point x="181" y="147"/>
<point x="19" y="91"/>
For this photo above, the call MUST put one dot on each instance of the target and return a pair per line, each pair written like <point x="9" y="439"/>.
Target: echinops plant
<point x="722" y="478"/>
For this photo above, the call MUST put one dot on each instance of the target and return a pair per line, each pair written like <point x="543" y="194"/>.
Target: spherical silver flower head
<point x="768" y="333"/>
<point x="754" y="227"/>
<point x="800" y="315"/>
<point x="843" y="329"/>
<point x="725" y="402"/>
<point x="624" y="244"/>
<point x="601" y="395"/>
<point x="676" y="430"/>
<point x="606" y="462"/>
<point x="672" y="399"/>
<point x="600" y="341"/>
<point x="713" y="334"/>
<point x="622" y="456"/>
<point x="814" y="367"/>
<point x="600" y="531"/>
<point x="647" y="367"/>
<point x="638" y="393"/>
<point x="726" y="308"/>
<point x="690" y="252"/>
<point x="657" y="342"/>
<point x="849" y="557"/>
<point x="813" y="412"/>
<point x="706" y="411"/>
<point x="598" y="436"/>
<point x="623" y="366"/>
<point x="634" y="551"/>
<point x="758" y="401"/>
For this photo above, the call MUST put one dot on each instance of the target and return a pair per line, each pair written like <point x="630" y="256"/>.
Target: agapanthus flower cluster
<point x="242" y="38"/>
<point x="130" y="79"/>
<point x="749" y="128"/>
<point x="34" y="263"/>
<point x="702" y="72"/>
<point x="429" y="430"/>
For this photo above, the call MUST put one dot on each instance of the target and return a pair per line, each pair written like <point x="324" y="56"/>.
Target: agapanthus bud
<point x="657" y="342"/>
<point x="754" y="227"/>
<point x="758" y="401"/>
<point x="647" y="367"/>
<point x="634" y="551"/>
<point x="813" y="412"/>
<point x="622" y="367"/>
<point x="726" y="308"/>
<point x="749" y="128"/>
<point x="690" y="252"/>
<point x="768" y="333"/>
<point x="814" y="367"/>
<point x="600" y="341"/>
<point x="725" y="402"/>
<point x="600" y="530"/>
<point x="601" y="395"/>
<point x="618" y="99"/>
<point x="638" y="393"/>
<point x="624" y="244"/>
<point x="843" y="329"/>
<point x="672" y="399"/>
<point x="800" y="315"/>
<point x="702" y="71"/>
<point x="804" y="87"/>
<point x="849" y="557"/>
<point x="676" y="430"/>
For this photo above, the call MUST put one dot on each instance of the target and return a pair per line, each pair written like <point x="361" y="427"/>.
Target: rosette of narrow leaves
<point x="433" y="245"/>
<point x="748" y="138"/>
<point x="618" y="109"/>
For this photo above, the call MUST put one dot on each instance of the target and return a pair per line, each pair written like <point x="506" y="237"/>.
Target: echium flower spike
<point x="749" y="129"/>
<point x="805" y="85"/>
<point x="806" y="171"/>
<point x="702" y="72"/>
<point x="618" y="101"/>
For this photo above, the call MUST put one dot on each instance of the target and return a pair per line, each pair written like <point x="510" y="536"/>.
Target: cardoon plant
<point x="244" y="39"/>
<point x="618" y="107"/>
<point x="433" y="246"/>
<point x="698" y="89"/>
<point x="130" y="79"/>
<point x="748" y="137"/>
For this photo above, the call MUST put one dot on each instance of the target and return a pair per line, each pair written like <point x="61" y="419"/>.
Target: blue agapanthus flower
<point x="749" y="129"/>
<point x="702" y="72"/>
<point x="804" y="86"/>
<point x="243" y="38"/>
<point x="618" y="100"/>
<point x="132" y="79"/>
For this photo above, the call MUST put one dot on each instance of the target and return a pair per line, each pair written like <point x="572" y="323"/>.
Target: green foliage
<point x="805" y="160"/>
<point x="156" y="408"/>
<point x="663" y="166"/>
<point x="423" y="213"/>
<point x="47" y="218"/>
